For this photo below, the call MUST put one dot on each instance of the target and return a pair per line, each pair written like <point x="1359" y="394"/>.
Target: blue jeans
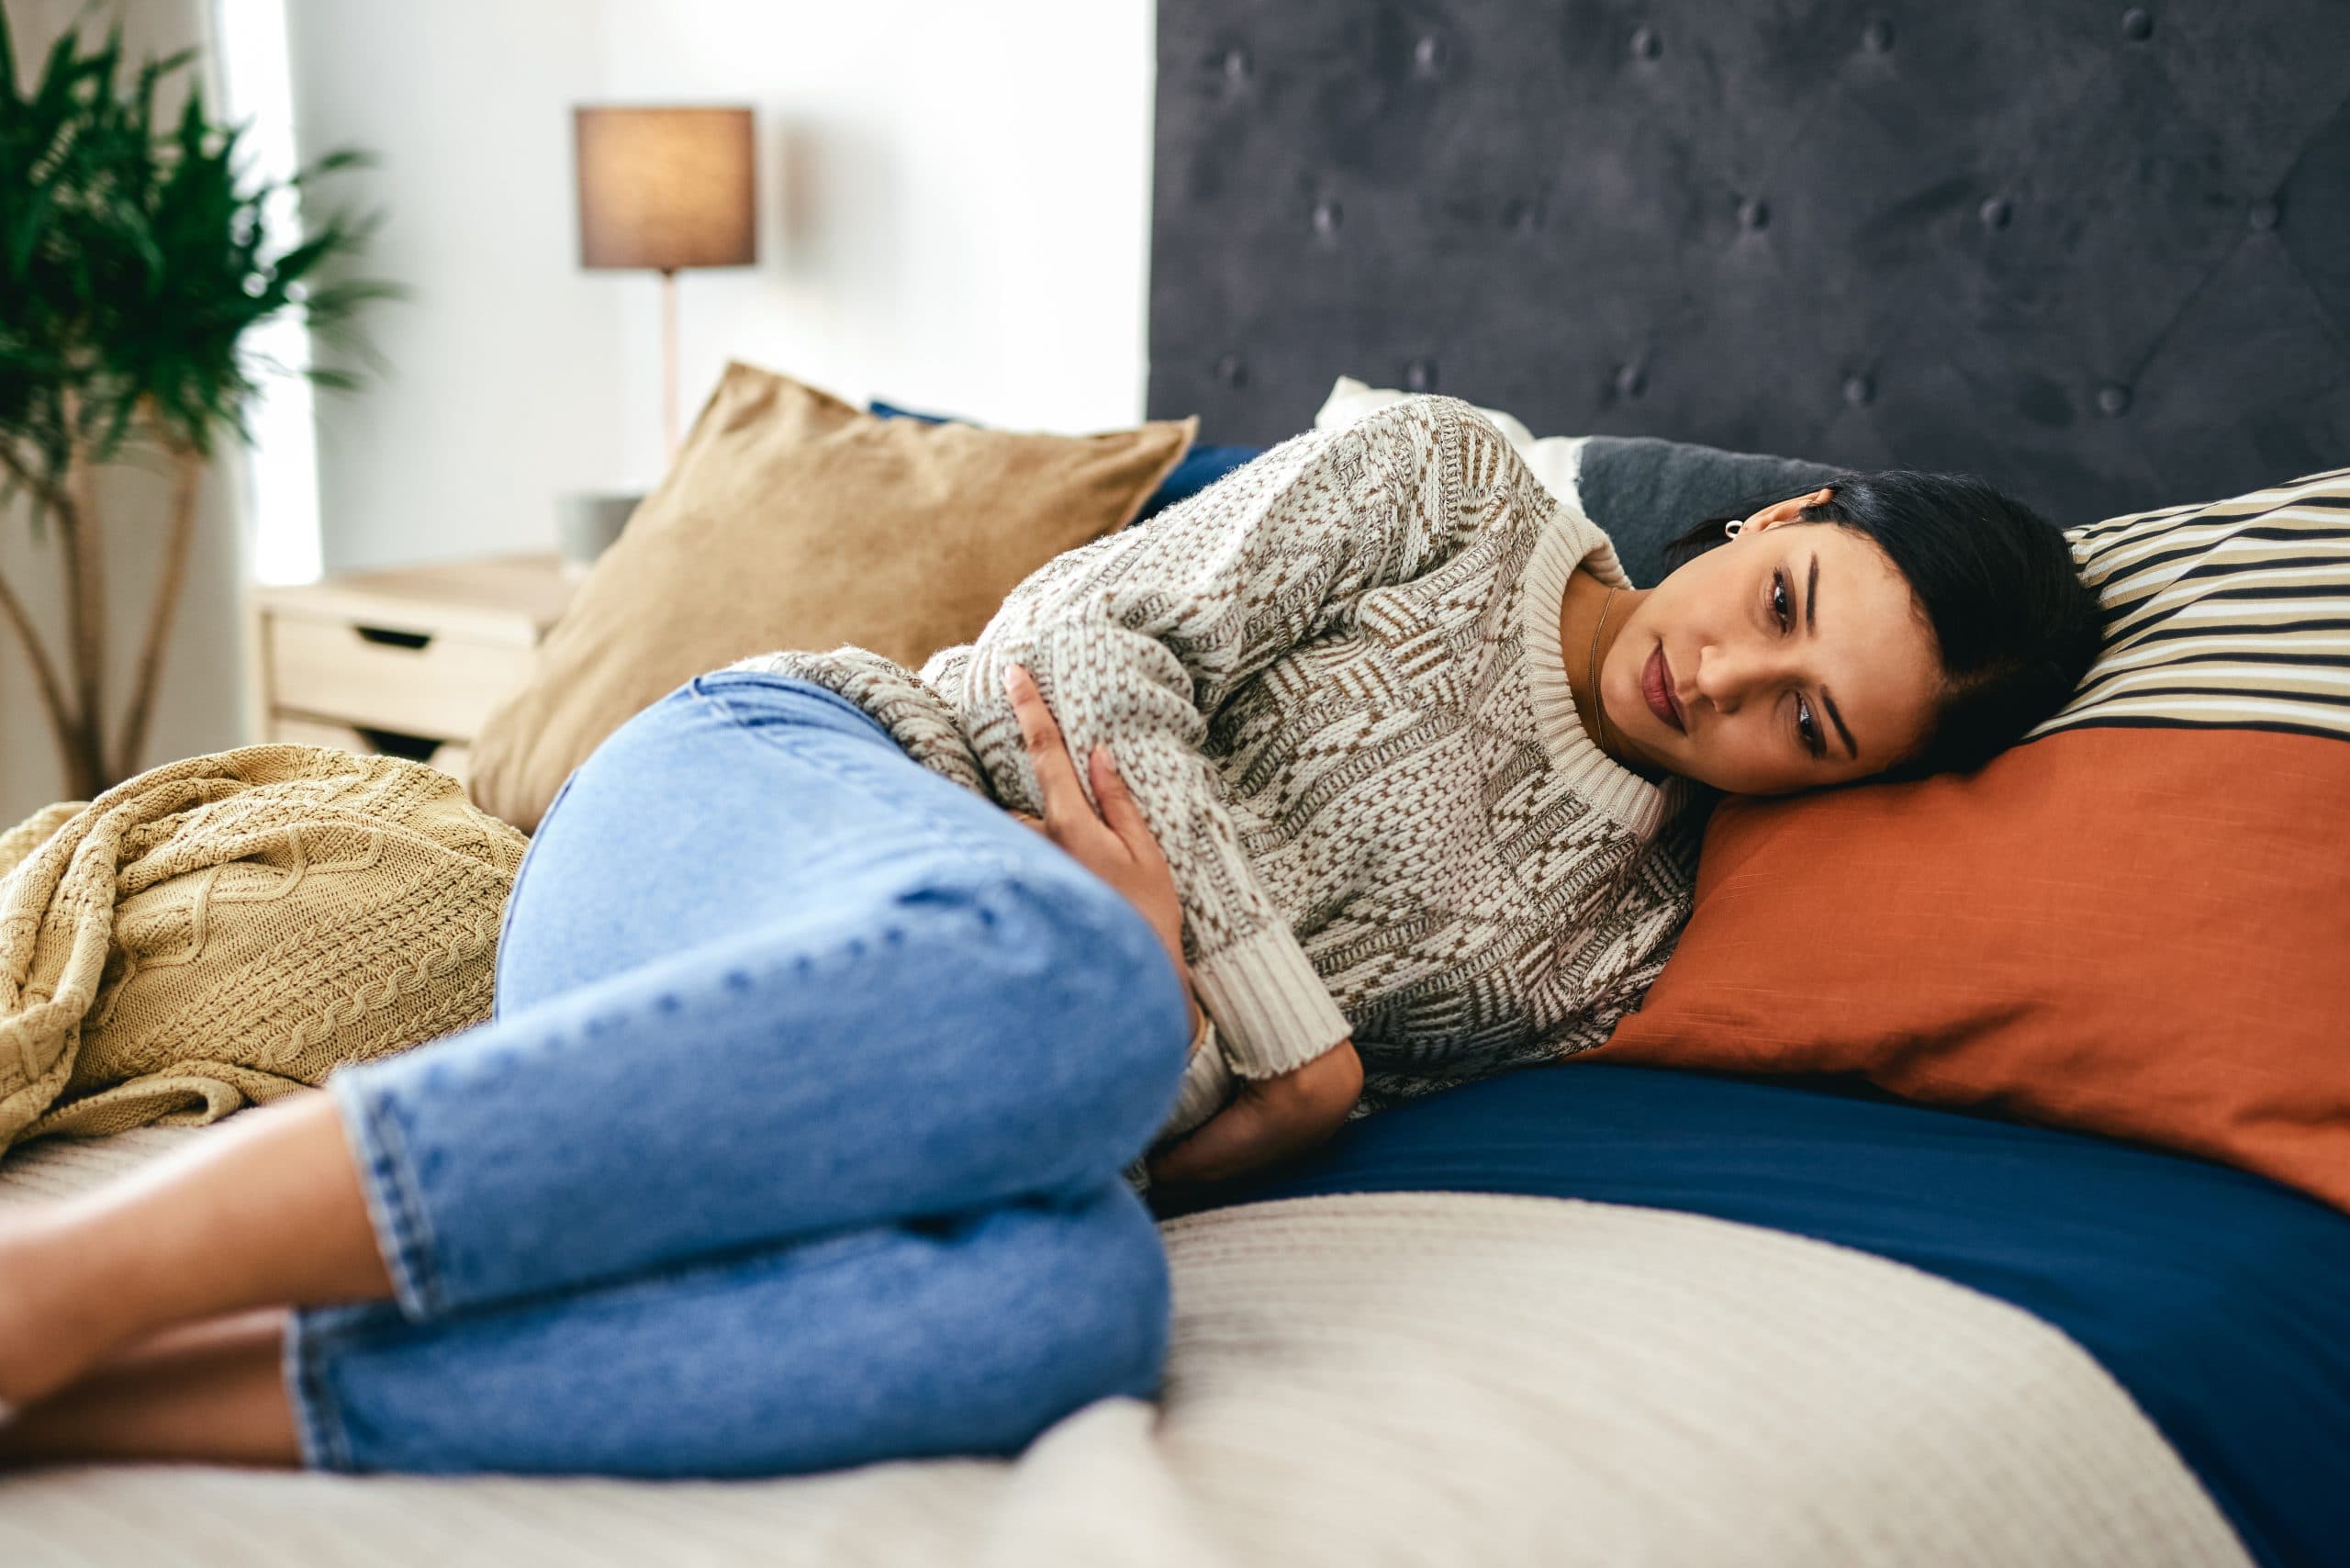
<point x="794" y="1141"/>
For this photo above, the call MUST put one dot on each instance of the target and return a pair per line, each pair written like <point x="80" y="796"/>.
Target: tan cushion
<point x="793" y="519"/>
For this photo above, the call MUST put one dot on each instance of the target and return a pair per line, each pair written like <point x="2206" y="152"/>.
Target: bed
<point x="1615" y="1315"/>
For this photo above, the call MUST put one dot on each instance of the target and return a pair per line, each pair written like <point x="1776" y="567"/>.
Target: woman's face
<point x="1794" y="656"/>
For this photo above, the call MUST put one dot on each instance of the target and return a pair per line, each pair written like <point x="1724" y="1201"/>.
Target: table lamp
<point x="660" y="189"/>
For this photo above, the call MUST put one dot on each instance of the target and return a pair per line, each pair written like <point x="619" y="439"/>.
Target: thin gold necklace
<point x="1599" y="708"/>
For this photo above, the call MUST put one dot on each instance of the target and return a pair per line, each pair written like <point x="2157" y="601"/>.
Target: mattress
<point x="1366" y="1377"/>
<point x="2212" y="1295"/>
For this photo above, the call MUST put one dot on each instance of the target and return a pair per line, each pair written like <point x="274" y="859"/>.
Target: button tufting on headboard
<point x="2044" y="243"/>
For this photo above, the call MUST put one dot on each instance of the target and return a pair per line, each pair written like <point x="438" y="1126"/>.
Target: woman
<point x="800" y="1137"/>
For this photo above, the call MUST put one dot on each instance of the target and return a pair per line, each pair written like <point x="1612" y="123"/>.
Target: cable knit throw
<point x="225" y="929"/>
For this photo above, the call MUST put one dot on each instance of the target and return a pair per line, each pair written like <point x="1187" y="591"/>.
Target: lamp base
<point x="586" y="524"/>
<point x="669" y="365"/>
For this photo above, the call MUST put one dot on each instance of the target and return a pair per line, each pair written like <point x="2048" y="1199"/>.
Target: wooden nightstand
<point x="407" y="661"/>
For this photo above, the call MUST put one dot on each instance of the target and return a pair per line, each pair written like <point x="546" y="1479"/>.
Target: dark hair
<point x="2014" y="625"/>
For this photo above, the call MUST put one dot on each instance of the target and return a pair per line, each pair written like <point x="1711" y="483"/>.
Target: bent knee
<point x="1089" y="969"/>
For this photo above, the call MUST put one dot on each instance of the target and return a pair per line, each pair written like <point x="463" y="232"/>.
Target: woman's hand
<point x="1115" y="844"/>
<point x="1271" y="1118"/>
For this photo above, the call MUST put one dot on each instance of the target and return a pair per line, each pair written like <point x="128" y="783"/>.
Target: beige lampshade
<point x="662" y="188"/>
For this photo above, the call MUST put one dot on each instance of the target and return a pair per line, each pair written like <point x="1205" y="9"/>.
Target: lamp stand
<point x="669" y="363"/>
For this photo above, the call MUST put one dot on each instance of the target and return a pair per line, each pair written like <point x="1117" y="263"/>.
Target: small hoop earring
<point x="1732" y="527"/>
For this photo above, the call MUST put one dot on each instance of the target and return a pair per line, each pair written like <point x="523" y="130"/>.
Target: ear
<point x="1790" y="509"/>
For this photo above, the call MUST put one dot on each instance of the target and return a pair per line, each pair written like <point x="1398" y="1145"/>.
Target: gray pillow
<point x="1645" y="493"/>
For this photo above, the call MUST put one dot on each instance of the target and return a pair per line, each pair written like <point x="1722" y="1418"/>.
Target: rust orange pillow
<point x="2136" y="924"/>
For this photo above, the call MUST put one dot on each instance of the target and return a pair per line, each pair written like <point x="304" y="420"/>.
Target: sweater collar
<point x="1567" y="540"/>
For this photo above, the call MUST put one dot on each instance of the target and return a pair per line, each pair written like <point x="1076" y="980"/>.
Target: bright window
<point x="256" y="86"/>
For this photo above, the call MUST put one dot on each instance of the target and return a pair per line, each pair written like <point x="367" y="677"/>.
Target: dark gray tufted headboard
<point x="2096" y="251"/>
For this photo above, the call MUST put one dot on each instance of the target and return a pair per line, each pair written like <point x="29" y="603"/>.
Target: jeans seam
<point x="741" y="721"/>
<point x="318" y="1432"/>
<point x="829" y="697"/>
<point x="394" y="1203"/>
<point x="514" y="888"/>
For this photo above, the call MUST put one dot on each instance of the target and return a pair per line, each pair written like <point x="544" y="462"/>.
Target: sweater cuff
<point x="1273" y="1012"/>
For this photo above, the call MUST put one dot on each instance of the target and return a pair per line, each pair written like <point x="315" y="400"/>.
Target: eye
<point x="1780" y="604"/>
<point x="1807" y="726"/>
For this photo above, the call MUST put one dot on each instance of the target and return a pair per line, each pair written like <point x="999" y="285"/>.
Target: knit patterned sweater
<point x="1333" y="683"/>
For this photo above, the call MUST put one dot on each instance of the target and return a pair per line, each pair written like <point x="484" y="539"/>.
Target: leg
<point x="961" y="1336"/>
<point x="214" y="1393"/>
<point x="918" y="1039"/>
<point x="773" y="979"/>
<point x="266" y="1210"/>
<point x="967" y="1335"/>
<point x="739" y="799"/>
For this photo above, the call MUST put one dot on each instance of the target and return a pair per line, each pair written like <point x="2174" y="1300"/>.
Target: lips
<point x="1656" y="685"/>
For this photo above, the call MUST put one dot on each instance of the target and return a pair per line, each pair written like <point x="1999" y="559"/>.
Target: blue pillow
<point x="1201" y="466"/>
<point x="891" y="411"/>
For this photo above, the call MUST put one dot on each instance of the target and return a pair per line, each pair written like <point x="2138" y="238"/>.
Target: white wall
<point x="955" y="214"/>
<point x="200" y="694"/>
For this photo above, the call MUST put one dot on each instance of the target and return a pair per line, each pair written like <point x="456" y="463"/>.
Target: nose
<point x="1728" y="673"/>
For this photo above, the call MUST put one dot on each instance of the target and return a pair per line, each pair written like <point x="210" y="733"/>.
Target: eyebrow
<point x="1812" y="624"/>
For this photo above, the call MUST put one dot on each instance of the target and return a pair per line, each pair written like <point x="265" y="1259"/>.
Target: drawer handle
<point x="390" y="638"/>
<point x="395" y="742"/>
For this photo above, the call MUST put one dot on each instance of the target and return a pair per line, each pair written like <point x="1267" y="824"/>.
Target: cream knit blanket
<point x="225" y="929"/>
<point x="1435" y="1380"/>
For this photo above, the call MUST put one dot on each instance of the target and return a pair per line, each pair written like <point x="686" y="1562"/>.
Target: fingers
<point x="1273" y="1119"/>
<point x="1118" y="807"/>
<point x="1222" y="1147"/>
<point x="1056" y="780"/>
<point x="1251" y="1133"/>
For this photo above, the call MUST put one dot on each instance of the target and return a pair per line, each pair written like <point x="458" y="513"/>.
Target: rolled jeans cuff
<point x="373" y="1128"/>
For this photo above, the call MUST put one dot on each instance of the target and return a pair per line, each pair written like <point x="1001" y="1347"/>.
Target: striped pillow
<point x="2235" y="615"/>
<point x="2136" y="923"/>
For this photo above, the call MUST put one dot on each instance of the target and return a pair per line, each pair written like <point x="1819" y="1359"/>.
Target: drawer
<point x="449" y="756"/>
<point x="416" y="682"/>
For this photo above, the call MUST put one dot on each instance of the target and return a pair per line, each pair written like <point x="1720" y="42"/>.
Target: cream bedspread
<point x="1422" y="1378"/>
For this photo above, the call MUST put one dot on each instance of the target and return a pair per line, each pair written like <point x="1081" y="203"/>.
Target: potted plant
<point x="133" y="261"/>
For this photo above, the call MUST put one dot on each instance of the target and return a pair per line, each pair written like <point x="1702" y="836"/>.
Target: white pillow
<point x="1556" y="460"/>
